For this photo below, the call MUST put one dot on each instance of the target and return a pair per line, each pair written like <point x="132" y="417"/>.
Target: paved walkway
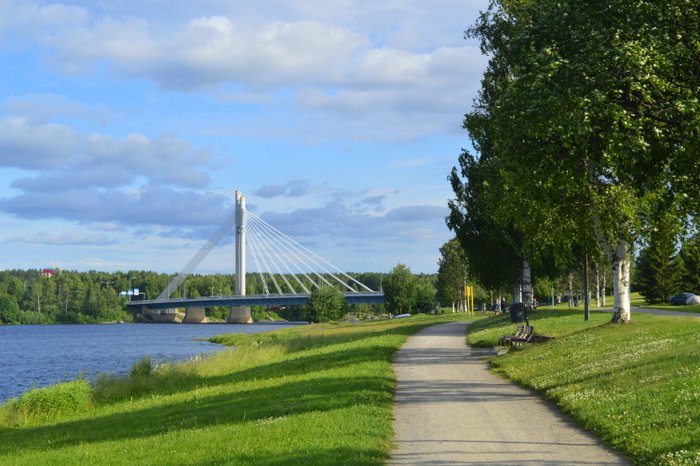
<point x="450" y="410"/>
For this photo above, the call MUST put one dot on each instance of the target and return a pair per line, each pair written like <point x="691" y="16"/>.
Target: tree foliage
<point x="400" y="290"/>
<point x="325" y="304"/>
<point x="453" y="273"/>
<point x="658" y="266"/>
<point x="587" y="120"/>
<point x="689" y="255"/>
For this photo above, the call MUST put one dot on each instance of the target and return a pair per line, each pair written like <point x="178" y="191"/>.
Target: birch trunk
<point x="603" y="290"/>
<point x="527" y="283"/>
<point x="597" y="286"/>
<point x="621" y="282"/>
<point x="571" y="289"/>
<point x="620" y="259"/>
<point x="518" y="294"/>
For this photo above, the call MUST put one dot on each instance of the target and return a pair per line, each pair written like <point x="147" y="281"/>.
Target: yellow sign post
<point x="469" y="298"/>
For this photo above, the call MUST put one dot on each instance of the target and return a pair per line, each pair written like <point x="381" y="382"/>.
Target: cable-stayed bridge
<point x="287" y="271"/>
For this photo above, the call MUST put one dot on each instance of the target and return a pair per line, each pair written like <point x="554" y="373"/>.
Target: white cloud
<point x="73" y="156"/>
<point x="351" y="57"/>
<point x="43" y="108"/>
<point x="70" y="238"/>
<point x="23" y="145"/>
<point x="148" y="206"/>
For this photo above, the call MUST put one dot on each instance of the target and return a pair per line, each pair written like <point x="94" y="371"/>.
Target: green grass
<point x="637" y="385"/>
<point x="637" y="300"/>
<point x="319" y="394"/>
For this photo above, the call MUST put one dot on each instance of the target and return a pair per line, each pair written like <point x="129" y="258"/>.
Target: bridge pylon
<point x="240" y="314"/>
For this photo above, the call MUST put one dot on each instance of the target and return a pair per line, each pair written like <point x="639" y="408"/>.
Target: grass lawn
<point x="637" y="300"/>
<point x="318" y="394"/>
<point x="636" y="385"/>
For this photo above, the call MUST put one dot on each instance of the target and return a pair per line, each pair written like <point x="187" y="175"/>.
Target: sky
<point x="126" y="127"/>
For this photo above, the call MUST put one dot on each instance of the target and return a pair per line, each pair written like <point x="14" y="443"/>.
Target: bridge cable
<point x="293" y="248"/>
<point x="275" y="258"/>
<point x="266" y="268"/>
<point x="312" y="256"/>
<point x="201" y="254"/>
<point x="287" y="252"/>
<point x="255" y="259"/>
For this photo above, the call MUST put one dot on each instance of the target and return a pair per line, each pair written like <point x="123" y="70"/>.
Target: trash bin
<point x="517" y="312"/>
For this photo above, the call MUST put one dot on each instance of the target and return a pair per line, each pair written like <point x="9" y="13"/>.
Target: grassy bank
<point x="637" y="386"/>
<point x="318" y="394"/>
<point x="637" y="300"/>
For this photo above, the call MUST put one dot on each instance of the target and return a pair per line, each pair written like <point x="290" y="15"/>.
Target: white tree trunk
<point x="518" y="294"/>
<point x="621" y="282"/>
<point x="597" y="286"/>
<point x="527" y="283"/>
<point x="603" y="290"/>
<point x="571" y="289"/>
<point x="620" y="259"/>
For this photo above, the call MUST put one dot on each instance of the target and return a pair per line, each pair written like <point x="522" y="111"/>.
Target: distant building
<point x="48" y="273"/>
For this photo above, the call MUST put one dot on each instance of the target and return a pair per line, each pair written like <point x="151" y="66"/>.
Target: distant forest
<point x="57" y="296"/>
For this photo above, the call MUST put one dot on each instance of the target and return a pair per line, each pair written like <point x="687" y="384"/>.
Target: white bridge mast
<point x="240" y="314"/>
<point x="240" y="244"/>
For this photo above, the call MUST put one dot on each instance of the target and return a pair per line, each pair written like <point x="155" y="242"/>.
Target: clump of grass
<point x="43" y="404"/>
<point x="142" y="368"/>
<point x="145" y="377"/>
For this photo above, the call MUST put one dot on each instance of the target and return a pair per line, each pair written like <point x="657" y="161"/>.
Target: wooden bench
<point x="518" y="333"/>
<point x="523" y="339"/>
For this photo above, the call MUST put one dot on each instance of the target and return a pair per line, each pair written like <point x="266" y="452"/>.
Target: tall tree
<point x="453" y="273"/>
<point x="325" y="304"/>
<point x="690" y="259"/>
<point x="597" y="105"/>
<point x="657" y="267"/>
<point x="400" y="290"/>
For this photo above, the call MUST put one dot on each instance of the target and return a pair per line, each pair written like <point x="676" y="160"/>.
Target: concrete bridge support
<point x="194" y="315"/>
<point x="240" y="315"/>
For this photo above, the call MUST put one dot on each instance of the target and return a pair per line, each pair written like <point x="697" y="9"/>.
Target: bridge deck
<point x="252" y="300"/>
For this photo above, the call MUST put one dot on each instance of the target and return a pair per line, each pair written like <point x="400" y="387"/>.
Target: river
<point x="41" y="355"/>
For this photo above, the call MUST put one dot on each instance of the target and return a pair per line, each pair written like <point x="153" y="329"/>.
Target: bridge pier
<point x="240" y="315"/>
<point x="194" y="315"/>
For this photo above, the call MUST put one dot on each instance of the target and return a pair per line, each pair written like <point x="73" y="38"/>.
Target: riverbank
<point x="318" y="394"/>
<point x="636" y="386"/>
<point x="35" y="356"/>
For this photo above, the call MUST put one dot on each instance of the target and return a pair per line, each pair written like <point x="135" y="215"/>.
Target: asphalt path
<point x="451" y="410"/>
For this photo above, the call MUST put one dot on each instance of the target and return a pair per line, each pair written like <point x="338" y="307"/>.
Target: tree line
<point x="586" y="140"/>
<point x="33" y="297"/>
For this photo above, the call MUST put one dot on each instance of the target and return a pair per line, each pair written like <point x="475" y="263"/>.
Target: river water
<point x="41" y="355"/>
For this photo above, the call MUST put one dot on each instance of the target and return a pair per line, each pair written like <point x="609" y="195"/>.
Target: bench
<point x="523" y="339"/>
<point x="518" y="333"/>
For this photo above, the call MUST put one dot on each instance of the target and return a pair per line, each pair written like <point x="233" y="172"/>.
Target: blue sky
<point x="126" y="126"/>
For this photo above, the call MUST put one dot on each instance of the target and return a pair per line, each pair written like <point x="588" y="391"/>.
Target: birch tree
<point x="599" y="104"/>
